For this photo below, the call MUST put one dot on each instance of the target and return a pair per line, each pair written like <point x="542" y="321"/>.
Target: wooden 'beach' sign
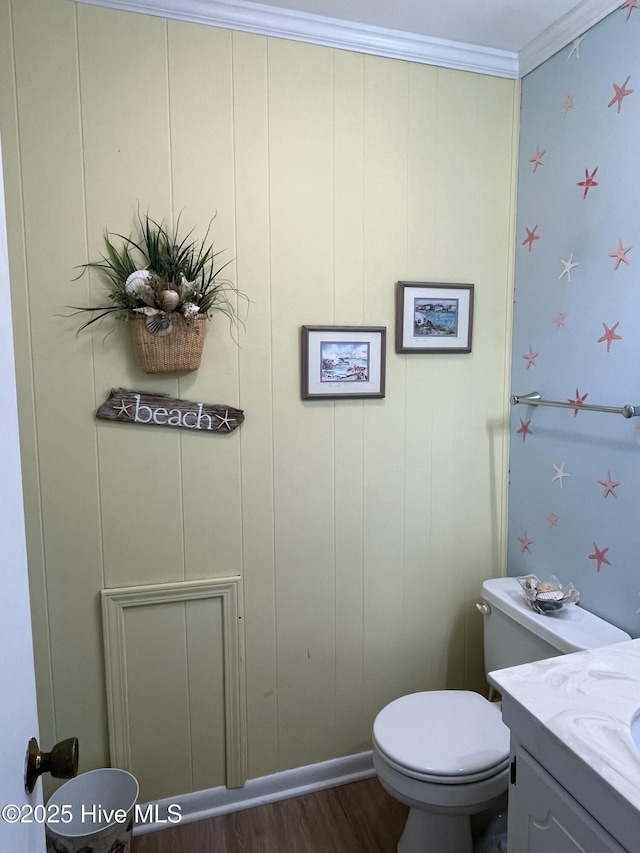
<point x="136" y="407"/>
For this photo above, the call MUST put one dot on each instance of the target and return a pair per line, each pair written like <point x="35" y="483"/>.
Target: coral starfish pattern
<point x="530" y="357"/>
<point x="610" y="335"/>
<point x="599" y="555"/>
<point x="579" y="400"/>
<point x="575" y="349"/>
<point x="537" y="158"/>
<point x="559" y="319"/>
<point x="588" y="182"/>
<point x="620" y="93"/>
<point x="609" y="486"/>
<point x="531" y="236"/>
<point x="526" y="543"/>
<point x="620" y="255"/>
<point x="567" y="104"/>
<point x="524" y="430"/>
<point x="630" y="5"/>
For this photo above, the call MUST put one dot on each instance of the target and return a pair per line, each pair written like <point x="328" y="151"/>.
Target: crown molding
<point x="329" y="32"/>
<point x="559" y="35"/>
<point x="347" y="35"/>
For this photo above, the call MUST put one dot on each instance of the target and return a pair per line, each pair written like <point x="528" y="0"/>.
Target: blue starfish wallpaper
<point x="574" y="506"/>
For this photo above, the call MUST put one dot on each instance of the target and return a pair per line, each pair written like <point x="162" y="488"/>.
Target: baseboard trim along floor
<point x="201" y="805"/>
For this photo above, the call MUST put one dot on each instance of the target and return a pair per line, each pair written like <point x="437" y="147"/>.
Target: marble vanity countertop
<point x="585" y="703"/>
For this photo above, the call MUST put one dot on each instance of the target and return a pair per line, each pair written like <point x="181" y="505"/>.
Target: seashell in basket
<point x="137" y="280"/>
<point x="190" y="310"/>
<point x="159" y="324"/>
<point x="145" y="294"/>
<point x="169" y="300"/>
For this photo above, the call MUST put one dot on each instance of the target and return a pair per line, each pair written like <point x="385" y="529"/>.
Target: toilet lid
<point x="448" y="733"/>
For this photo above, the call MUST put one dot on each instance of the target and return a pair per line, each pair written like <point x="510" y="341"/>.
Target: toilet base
<point x="445" y="833"/>
<point x="443" y="818"/>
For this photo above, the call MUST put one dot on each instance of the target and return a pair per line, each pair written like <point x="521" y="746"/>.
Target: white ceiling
<point x="506" y="38"/>
<point x="502" y="24"/>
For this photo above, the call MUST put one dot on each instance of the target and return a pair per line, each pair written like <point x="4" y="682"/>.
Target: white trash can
<point x="93" y="812"/>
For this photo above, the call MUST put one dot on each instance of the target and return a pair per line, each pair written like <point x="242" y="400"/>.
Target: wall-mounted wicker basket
<point x="178" y="352"/>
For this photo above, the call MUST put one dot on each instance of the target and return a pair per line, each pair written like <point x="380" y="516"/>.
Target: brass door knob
<point x="61" y="762"/>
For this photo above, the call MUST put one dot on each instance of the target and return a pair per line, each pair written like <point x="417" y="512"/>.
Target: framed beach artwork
<point x="342" y="361"/>
<point x="435" y="318"/>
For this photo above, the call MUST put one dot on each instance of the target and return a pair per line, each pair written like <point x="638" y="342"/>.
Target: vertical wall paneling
<point x="251" y="135"/>
<point x="456" y="513"/>
<point x="24" y="376"/>
<point x="124" y="125"/>
<point x="493" y="317"/>
<point x="384" y="435"/>
<point x="301" y="172"/>
<point x="420" y="574"/>
<point x="360" y="529"/>
<point x="61" y="366"/>
<point x="175" y="684"/>
<point x="202" y="173"/>
<point x="349" y="310"/>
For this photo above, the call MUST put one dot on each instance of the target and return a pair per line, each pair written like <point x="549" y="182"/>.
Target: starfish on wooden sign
<point x="122" y="409"/>
<point x="225" y="421"/>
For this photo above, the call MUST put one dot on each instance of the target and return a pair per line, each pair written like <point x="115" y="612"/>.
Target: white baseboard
<point x="201" y="805"/>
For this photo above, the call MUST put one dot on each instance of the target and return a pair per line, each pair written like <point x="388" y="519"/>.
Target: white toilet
<point x="445" y="753"/>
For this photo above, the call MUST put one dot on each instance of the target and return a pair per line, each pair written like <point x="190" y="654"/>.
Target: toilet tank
<point x="514" y="633"/>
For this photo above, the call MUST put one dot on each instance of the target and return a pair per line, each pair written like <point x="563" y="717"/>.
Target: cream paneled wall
<point x="361" y="529"/>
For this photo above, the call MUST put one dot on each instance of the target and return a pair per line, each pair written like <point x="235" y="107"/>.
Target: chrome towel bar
<point x="534" y="399"/>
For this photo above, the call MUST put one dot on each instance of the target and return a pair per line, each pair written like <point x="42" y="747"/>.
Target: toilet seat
<point x="444" y="736"/>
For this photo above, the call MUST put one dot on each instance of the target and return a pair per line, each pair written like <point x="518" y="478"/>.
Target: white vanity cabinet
<point x="544" y="818"/>
<point x="575" y="784"/>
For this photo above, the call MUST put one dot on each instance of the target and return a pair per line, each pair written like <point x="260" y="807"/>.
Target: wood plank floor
<point x="356" y="818"/>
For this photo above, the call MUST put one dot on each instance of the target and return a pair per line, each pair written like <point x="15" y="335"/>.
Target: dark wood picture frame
<point x="432" y="317"/>
<point x="338" y="362"/>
